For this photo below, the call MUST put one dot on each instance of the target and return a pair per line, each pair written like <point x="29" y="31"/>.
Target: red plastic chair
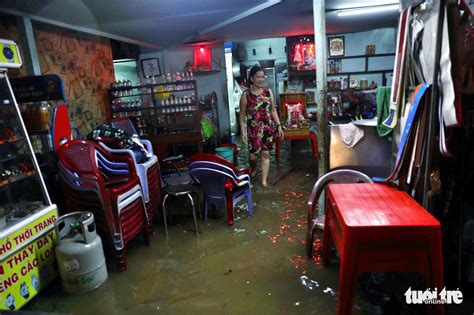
<point x="117" y="202"/>
<point x="149" y="175"/>
<point x="62" y="126"/>
<point x="337" y="176"/>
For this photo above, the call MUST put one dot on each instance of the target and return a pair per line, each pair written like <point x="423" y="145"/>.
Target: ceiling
<point x="166" y="23"/>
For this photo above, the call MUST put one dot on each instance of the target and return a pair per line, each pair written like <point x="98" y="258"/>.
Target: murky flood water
<point x="257" y="266"/>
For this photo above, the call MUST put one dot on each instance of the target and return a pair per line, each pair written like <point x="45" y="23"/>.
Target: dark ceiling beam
<point x="78" y="28"/>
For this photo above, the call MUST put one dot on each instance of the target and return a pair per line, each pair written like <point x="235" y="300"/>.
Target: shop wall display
<point x="301" y="53"/>
<point x="85" y="64"/>
<point x="9" y="30"/>
<point x="172" y="61"/>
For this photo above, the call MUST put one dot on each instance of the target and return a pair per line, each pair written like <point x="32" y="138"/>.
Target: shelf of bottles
<point x="157" y="107"/>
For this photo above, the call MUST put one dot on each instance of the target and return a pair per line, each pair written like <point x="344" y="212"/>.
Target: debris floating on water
<point x="330" y="291"/>
<point x="308" y="283"/>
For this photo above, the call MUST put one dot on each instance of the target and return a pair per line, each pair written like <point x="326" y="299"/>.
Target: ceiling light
<point x="367" y="10"/>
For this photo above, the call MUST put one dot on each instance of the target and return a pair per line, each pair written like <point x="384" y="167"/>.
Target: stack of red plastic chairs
<point x="116" y="200"/>
<point x="148" y="171"/>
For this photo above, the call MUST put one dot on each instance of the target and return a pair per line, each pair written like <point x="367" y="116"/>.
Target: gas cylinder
<point x="79" y="253"/>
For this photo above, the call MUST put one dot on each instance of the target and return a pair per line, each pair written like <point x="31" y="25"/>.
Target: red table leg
<point x="347" y="281"/>
<point x="314" y="145"/>
<point x="328" y="242"/>
<point x="436" y="280"/>
<point x="277" y="149"/>
<point x="229" y="204"/>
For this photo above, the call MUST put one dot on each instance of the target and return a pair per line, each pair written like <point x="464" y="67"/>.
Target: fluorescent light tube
<point x="367" y="10"/>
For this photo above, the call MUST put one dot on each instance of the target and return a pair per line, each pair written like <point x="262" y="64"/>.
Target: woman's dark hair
<point x="256" y="68"/>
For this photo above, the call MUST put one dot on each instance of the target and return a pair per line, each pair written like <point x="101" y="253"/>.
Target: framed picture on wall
<point x="336" y="46"/>
<point x="151" y="67"/>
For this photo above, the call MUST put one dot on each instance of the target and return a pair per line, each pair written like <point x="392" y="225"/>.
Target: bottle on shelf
<point x="168" y="77"/>
<point x="119" y="88"/>
<point x="129" y="87"/>
<point x="146" y="81"/>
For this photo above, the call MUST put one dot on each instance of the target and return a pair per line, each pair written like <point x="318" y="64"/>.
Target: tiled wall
<point x="85" y="65"/>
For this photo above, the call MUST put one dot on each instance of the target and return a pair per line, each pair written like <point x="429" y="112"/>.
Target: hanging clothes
<point x="425" y="18"/>
<point x="383" y="110"/>
<point x="409" y="130"/>
<point x="399" y="71"/>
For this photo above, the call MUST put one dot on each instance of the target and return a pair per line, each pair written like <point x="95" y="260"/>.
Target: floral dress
<point x="260" y="129"/>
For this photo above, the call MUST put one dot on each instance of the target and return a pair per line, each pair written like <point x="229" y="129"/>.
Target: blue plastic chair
<point x="110" y="167"/>
<point x="148" y="170"/>
<point x="221" y="187"/>
<point x="220" y="167"/>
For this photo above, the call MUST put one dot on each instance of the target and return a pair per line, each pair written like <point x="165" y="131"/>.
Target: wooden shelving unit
<point x="164" y="113"/>
<point x="348" y="74"/>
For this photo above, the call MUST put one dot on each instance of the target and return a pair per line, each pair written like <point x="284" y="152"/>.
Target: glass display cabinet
<point x="27" y="216"/>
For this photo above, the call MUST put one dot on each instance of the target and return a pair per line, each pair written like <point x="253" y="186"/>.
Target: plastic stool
<point x="290" y="135"/>
<point x="177" y="191"/>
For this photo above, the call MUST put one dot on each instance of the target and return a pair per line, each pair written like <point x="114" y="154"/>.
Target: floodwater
<point x="257" y="266"/>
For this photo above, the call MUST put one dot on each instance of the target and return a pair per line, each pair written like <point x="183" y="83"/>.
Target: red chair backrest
<point x="61" y="125"/>
<point x="79" y="156"/>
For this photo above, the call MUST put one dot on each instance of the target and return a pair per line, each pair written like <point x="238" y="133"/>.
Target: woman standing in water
<point x="259" y="121"/>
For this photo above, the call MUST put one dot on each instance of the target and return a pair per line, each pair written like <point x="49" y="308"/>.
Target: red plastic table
<point x="377" y="228"/>
<point x="297" y="135"/>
